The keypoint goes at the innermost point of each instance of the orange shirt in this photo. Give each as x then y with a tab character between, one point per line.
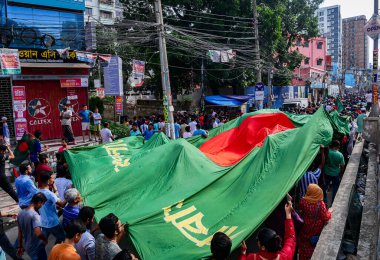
63	252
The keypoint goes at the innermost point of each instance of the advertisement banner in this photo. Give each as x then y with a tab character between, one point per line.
19	109
74	83
21	126
18	93
100	93
375	94
10	62
119	105
259	91
113	77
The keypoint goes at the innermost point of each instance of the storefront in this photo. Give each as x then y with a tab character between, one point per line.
49	85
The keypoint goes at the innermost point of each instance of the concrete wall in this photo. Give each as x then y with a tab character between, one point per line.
331	237
369	229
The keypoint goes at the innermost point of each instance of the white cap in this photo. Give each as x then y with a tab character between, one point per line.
4	118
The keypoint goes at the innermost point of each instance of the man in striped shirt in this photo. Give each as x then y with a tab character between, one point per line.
313	174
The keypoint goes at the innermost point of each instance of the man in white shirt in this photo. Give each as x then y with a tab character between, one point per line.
65	117
193	126
368	99
106	134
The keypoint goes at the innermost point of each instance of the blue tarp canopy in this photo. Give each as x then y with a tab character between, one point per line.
227	100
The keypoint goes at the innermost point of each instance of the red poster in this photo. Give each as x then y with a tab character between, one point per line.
21	126
18	93
119	105
74	83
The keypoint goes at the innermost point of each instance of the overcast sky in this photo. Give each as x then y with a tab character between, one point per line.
351	8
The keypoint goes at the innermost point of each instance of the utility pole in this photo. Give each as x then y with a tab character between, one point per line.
375	87
167	94
257	42
270	77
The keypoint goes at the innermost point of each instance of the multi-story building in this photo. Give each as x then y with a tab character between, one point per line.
330	26
47	34
313	67
355	43
103	11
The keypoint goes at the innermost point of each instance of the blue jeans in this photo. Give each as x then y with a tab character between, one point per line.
335	185
40	254
57	231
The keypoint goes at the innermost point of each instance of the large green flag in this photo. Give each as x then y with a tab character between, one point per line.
174	195
339	105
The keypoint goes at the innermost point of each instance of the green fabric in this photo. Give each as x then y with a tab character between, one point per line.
333	162
156	188
360	122
340	124
339	105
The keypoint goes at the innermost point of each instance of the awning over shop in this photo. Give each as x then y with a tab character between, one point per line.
228	100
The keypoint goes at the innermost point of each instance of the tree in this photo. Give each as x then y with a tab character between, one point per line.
195	26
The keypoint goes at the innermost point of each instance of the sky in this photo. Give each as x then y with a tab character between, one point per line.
349	8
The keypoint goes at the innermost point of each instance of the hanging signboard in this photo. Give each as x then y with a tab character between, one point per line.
100	93
113	77
19	108
74	83
259	91
10	62
119	105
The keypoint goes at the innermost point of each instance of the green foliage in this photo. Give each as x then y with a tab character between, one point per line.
281	23
118	130
96	102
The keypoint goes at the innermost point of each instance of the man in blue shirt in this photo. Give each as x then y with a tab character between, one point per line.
149	132
49	217
135	131
177	128
25	186
200	131
85	115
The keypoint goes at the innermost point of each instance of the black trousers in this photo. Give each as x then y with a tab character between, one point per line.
6	185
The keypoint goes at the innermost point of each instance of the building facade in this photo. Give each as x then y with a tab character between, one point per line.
105	12
39	30
313	68
355	43
330	27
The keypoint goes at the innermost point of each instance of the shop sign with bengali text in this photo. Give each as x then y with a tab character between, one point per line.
74	83
119	105
18	93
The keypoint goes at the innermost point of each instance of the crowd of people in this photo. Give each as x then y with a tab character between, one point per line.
51	206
